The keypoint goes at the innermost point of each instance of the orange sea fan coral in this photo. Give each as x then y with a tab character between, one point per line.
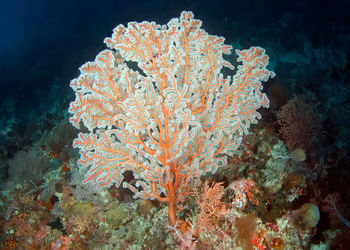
171	118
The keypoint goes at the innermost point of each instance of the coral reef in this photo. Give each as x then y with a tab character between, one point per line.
282	187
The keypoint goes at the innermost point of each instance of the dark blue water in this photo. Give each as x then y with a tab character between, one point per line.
43	42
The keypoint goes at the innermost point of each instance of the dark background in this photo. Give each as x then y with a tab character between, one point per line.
43	43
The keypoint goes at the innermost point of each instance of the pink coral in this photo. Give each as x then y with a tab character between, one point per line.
210	205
